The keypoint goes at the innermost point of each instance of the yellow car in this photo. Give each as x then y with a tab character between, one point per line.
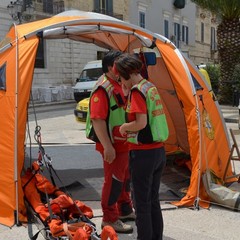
81	110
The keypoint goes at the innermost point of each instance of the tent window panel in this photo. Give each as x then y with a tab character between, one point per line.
196	84
39	61
3	77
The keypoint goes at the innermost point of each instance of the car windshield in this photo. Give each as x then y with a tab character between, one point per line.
88	75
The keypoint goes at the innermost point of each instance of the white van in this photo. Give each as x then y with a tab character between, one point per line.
87	79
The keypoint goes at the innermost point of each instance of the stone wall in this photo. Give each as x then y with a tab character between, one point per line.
65	60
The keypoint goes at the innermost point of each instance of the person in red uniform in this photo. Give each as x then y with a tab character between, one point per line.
145	129
106	109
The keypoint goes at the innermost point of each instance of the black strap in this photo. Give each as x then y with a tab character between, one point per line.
120	101
114	107
29	179
51	176
49	205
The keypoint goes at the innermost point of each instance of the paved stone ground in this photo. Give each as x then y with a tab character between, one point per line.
179	223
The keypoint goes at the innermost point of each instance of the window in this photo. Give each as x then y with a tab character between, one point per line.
142	8
103	6
213	39
185	34
166	29
3	77
101	54
39	61
177	33
142	19
202	32
48	6
58	7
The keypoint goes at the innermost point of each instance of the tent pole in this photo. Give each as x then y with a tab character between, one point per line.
197	199
196	202
16	132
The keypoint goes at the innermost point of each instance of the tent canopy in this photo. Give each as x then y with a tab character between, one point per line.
196	125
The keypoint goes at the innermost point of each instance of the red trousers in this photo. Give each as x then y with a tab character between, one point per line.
116	199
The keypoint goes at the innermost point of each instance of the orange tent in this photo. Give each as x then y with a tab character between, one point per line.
194	117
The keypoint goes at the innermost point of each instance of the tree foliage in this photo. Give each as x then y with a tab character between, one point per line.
226	9
228	40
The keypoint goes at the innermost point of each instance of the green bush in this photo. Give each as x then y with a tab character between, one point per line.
214	75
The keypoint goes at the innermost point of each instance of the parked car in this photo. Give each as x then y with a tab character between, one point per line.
81	110
87	79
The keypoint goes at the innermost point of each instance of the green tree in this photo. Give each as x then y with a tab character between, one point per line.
228	39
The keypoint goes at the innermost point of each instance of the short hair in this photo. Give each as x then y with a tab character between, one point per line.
127	64
108	59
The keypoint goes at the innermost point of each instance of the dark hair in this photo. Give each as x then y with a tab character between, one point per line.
127	64
108	59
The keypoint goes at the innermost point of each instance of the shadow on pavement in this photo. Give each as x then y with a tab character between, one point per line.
79	169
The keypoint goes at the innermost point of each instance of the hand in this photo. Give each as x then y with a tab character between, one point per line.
109	154
123	130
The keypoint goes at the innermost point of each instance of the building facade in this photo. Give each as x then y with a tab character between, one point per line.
59	62
190	28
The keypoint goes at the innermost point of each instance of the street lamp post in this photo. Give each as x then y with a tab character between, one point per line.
21	10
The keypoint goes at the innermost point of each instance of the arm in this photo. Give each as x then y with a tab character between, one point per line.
136	125
100	128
